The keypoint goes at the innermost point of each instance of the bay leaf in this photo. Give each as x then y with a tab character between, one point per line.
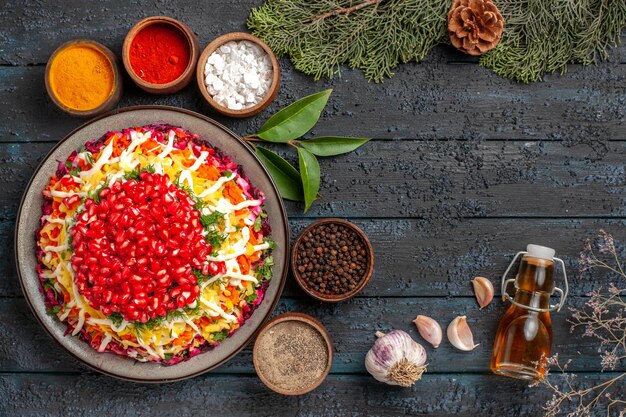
310	171
285	176
294	120
332	145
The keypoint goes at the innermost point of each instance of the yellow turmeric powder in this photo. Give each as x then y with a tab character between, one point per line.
81	77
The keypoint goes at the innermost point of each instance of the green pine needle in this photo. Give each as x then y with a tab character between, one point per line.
376	35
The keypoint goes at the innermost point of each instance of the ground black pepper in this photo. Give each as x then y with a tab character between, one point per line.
292	355
332	259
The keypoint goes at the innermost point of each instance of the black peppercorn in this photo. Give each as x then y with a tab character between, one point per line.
332	259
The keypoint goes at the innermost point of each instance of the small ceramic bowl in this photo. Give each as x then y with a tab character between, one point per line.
110	102
263	342
185	78
333	298
273	90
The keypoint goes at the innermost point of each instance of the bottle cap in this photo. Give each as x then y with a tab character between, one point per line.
542	252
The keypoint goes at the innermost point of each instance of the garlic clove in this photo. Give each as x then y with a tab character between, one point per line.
429	329
483	289
460	335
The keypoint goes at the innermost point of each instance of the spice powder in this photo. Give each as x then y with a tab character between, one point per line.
292	355
159	53
82	77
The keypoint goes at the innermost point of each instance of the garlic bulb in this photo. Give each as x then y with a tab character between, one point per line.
429	329
483	289
396	359
460	335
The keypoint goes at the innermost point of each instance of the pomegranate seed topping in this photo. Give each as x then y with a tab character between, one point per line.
134	250
176	292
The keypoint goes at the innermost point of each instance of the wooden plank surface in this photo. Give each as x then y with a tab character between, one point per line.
91	395
431	100
25	347
441	181
542	162
415	259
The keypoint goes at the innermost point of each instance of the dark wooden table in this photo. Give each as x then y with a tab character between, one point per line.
466	168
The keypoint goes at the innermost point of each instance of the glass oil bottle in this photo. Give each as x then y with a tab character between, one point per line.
524	337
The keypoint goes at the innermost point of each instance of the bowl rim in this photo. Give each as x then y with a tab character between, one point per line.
113	98
16	253
216	43
338	297
304	318
192	42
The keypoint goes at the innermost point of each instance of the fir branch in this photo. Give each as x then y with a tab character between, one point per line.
345	10
539	36
375	39
544	37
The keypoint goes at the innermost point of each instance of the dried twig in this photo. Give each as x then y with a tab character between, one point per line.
604	318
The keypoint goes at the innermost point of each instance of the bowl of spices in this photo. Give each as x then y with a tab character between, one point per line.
83	78
238	74
160	54
332	260
293	354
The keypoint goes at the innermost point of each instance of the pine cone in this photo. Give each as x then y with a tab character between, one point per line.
475	26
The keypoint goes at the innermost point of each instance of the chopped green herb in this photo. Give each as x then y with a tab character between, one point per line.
213	219
168	356
210	223
227	174
200	204
194	311
187	190
116	318
270	242
132	175
264	272
149	325
95	193
174	314
258	223
250	298
215	238
68	164
48	284
220	336
89	157
53	311
200	276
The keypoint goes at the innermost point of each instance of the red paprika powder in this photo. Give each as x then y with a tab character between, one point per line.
159	53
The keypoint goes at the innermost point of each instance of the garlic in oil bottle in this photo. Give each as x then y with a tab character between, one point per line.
396	359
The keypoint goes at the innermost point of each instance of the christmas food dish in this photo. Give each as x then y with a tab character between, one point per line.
152	244
222	335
